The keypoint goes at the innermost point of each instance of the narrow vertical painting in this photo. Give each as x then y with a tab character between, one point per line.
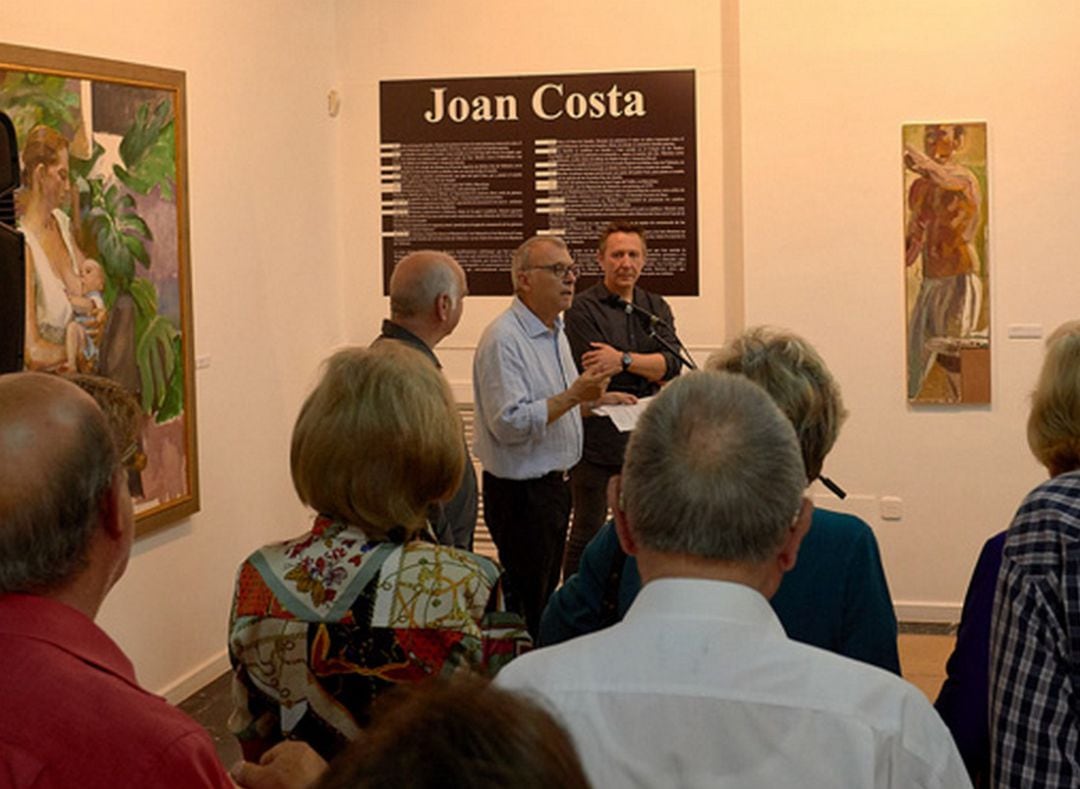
945	259
102	209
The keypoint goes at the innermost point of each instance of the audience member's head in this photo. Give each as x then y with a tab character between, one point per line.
712	471
122	413
58	480
796	378
427	291
1054	423
378	440
462	733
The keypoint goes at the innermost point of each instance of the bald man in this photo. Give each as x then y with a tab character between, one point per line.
427	297
74	714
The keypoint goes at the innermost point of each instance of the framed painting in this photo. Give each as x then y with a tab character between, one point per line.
103	209
946	264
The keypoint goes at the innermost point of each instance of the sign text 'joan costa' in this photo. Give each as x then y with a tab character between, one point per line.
473	166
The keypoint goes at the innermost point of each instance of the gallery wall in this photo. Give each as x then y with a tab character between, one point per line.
799	114
800	108
826	88
430	38
266	288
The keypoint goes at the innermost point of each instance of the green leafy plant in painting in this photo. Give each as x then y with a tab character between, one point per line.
111	228
38	99
147	151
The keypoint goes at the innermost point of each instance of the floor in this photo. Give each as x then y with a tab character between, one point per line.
923	652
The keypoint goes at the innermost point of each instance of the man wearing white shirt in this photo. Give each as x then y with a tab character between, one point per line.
528	420
699	685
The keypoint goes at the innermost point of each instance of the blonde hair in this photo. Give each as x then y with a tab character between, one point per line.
378	440
1053	429
796	378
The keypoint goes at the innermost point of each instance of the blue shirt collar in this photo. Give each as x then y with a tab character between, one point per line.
533	326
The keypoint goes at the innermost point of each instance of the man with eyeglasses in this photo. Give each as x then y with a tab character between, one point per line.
603	333
529	398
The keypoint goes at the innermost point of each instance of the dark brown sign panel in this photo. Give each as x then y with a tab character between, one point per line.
475	166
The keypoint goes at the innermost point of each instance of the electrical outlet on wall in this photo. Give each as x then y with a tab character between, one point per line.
891	507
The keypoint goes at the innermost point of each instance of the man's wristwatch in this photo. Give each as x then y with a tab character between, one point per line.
627	360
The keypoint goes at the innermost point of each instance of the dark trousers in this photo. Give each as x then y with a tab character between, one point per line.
588	486
527	520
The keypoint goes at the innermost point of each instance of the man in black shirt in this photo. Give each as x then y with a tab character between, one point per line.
427	297
603	333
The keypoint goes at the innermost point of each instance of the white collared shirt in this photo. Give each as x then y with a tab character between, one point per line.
519	364
699	687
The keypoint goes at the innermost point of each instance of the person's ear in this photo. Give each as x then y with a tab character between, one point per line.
622	522
110	512
444	306
800	526
523	283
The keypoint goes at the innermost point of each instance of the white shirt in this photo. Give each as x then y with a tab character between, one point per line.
519	364
699	687
53	307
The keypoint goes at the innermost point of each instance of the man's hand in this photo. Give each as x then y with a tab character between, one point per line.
608	398
288	765
602	358
616	398
590	385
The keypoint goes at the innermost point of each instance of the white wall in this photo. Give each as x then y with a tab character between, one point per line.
285	246
801	208
266	287
826	87
424	38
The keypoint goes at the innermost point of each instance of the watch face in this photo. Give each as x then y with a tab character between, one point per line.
626	360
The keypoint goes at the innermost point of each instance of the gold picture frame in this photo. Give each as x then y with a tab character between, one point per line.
121	205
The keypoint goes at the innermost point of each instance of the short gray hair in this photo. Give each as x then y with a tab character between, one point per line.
47	521
796	378
713	470
520	260
416	294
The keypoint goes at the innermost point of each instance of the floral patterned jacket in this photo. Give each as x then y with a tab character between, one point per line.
322	624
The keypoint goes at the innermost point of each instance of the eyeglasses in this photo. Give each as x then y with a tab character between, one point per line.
560	270
133	458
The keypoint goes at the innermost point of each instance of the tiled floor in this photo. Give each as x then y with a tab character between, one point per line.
211	707
922	659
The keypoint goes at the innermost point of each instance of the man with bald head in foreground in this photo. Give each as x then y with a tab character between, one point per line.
699	686
74	714
427	297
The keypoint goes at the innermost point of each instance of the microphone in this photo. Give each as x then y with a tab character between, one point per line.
615	300
653	321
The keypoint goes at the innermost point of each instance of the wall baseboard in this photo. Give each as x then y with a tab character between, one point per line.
946	613
196	679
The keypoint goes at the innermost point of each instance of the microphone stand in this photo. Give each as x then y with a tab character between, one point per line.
652	322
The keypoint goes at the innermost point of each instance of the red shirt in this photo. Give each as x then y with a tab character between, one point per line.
73	714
